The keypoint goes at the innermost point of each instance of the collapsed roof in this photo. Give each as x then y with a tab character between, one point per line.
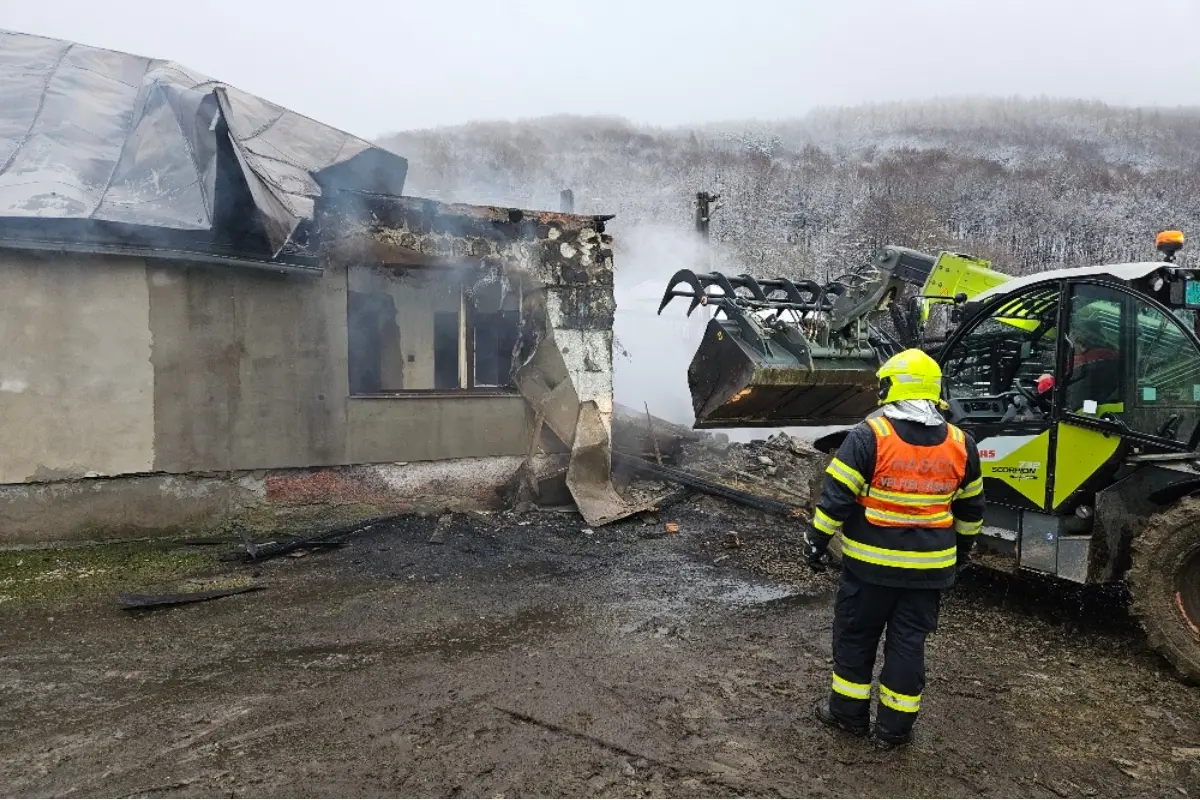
108	147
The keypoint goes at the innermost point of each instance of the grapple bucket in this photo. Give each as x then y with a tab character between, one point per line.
779	353
735	385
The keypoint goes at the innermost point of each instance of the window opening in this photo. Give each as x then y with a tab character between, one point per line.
429	329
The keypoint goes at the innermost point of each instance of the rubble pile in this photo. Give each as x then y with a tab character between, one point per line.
657	464
638	434
650	492
780	467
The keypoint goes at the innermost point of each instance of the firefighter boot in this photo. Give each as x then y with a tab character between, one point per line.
822	713
888	741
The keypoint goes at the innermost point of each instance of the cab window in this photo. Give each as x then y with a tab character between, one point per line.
993	371
1166	397
1145	375
1093	380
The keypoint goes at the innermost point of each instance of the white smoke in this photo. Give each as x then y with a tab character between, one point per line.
652	369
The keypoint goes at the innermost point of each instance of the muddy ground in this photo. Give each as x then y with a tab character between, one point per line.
528	656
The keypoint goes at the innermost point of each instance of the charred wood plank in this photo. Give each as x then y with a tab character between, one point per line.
323	540
132	602
699	484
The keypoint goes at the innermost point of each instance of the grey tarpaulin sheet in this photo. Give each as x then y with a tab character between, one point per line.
92	134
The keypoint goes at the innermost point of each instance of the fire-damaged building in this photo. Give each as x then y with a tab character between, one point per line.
218	312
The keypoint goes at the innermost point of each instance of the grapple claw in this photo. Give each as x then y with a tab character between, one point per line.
782	352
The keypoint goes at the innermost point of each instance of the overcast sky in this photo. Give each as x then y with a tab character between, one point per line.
374	67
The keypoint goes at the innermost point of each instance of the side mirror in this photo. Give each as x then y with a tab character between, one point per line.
830	442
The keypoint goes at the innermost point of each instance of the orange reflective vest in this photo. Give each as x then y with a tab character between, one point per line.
913	486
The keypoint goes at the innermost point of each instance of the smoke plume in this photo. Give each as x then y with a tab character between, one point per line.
652	369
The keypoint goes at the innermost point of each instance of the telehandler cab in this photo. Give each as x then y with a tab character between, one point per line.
1081	388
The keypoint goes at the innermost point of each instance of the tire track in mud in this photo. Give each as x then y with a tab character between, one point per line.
654	671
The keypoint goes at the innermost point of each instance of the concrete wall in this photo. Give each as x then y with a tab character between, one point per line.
119	366
113	366
426	429
250	373
76	380
263	503
249	368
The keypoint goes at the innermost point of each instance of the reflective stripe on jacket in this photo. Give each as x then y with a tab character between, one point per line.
906	553
912	485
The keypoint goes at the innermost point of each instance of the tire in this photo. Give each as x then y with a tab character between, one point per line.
1164	581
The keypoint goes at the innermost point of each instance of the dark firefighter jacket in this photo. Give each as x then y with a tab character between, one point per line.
928	554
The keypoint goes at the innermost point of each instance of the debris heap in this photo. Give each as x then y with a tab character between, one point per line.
654	459
780	467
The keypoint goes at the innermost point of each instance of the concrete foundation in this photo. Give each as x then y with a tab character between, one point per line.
259	502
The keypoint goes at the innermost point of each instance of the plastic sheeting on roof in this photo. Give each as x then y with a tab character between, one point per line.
87	133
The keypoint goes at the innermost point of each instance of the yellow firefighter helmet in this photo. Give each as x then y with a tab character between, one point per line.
910	375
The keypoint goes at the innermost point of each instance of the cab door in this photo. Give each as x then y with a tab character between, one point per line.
1092	387
991	373
1130	375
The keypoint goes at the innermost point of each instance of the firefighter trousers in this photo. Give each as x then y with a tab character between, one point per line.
862	613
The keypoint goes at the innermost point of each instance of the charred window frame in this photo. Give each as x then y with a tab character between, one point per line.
417	331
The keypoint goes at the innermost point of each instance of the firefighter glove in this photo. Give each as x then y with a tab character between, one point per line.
816	551
964	561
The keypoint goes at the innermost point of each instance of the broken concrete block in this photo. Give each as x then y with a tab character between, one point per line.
778	442
802	448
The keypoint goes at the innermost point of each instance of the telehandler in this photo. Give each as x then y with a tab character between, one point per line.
1080	386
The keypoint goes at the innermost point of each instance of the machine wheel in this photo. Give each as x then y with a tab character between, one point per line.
1164	581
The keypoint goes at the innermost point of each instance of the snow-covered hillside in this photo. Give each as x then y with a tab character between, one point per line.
1029	184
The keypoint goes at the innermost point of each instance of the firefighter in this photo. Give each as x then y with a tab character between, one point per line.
905	490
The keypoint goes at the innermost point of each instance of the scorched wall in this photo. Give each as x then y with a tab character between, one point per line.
206	391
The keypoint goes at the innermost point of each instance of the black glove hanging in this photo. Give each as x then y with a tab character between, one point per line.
964	561
816	551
